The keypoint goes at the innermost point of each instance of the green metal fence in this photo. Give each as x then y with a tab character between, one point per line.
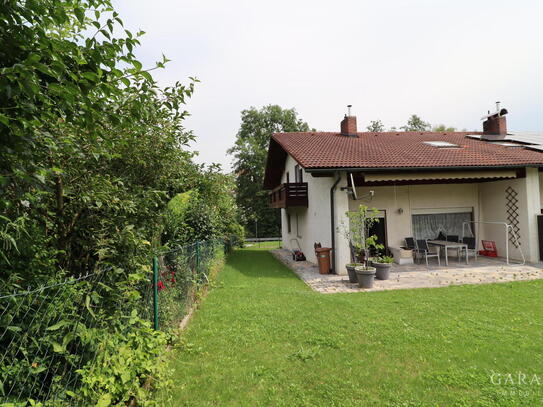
43	341
180	272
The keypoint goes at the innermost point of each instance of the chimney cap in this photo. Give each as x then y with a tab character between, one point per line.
501	112
349	110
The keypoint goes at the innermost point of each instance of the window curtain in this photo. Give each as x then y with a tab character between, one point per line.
429	226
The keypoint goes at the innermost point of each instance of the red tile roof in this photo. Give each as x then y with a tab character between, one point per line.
396	150
390	150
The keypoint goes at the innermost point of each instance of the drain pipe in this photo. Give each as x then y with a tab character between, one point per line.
332	223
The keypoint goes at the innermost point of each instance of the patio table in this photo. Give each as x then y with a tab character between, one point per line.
450	245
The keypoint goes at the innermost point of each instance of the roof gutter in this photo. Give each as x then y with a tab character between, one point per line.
386	169
332	222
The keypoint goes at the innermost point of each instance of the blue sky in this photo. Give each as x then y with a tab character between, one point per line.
447	61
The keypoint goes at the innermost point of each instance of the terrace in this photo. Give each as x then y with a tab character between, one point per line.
483	270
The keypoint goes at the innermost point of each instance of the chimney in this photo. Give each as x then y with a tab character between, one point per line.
495	124
348	124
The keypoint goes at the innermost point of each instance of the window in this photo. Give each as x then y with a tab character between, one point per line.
298	234
441	144
288	223
429	225
288	177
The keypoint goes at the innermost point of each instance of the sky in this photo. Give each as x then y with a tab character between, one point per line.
447	61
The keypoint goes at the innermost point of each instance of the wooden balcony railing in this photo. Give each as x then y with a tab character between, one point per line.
289	194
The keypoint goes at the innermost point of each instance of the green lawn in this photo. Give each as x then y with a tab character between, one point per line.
262	337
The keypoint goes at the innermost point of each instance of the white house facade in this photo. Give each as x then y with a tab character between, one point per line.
478	184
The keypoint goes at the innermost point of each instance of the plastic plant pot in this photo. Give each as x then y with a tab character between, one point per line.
350	271
366	276
382	270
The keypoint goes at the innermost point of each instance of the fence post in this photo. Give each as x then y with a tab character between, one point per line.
155	292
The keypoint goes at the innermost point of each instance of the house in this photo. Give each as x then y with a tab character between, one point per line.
422	183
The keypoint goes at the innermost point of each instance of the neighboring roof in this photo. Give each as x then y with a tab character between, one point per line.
318	150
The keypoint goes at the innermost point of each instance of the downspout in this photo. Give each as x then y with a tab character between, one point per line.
332	222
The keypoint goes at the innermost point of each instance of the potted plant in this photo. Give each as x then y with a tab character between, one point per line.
358	233
351	272
382	267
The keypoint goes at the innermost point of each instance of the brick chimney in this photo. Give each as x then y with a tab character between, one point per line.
495	125
348	124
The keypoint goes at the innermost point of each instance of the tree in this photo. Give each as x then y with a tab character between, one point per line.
250	152
415	123
376	126
358	231
91	152
442	127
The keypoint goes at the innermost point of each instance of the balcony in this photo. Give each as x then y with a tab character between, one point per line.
288	195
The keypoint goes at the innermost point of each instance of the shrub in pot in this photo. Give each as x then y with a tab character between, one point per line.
382	267
358	233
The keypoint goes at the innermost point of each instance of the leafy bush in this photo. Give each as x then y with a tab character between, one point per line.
205	212
127	365
91	152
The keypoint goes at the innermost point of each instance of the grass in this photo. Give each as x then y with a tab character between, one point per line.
270	244
263	338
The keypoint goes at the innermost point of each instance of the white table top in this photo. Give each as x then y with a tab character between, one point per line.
446	243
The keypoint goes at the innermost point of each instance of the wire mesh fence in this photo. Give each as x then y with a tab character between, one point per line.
181	272
264	242
48	335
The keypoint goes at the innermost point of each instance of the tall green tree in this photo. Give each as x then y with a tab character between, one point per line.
415	123
250	152
376	126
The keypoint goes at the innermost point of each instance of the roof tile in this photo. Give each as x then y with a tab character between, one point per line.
399	150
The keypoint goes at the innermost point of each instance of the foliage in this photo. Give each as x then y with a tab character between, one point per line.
423	347
357	231
205	212
250	152
442	127
385	259
63	345
91	152
376	126
415	123
126	364
91	147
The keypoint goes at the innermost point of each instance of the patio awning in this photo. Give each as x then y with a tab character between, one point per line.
439	175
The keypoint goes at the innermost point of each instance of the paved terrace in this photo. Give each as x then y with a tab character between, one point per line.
483	271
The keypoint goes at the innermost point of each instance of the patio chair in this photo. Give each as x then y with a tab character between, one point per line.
424	250
411	245
472	247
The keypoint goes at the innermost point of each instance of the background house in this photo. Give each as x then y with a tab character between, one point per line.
421	183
